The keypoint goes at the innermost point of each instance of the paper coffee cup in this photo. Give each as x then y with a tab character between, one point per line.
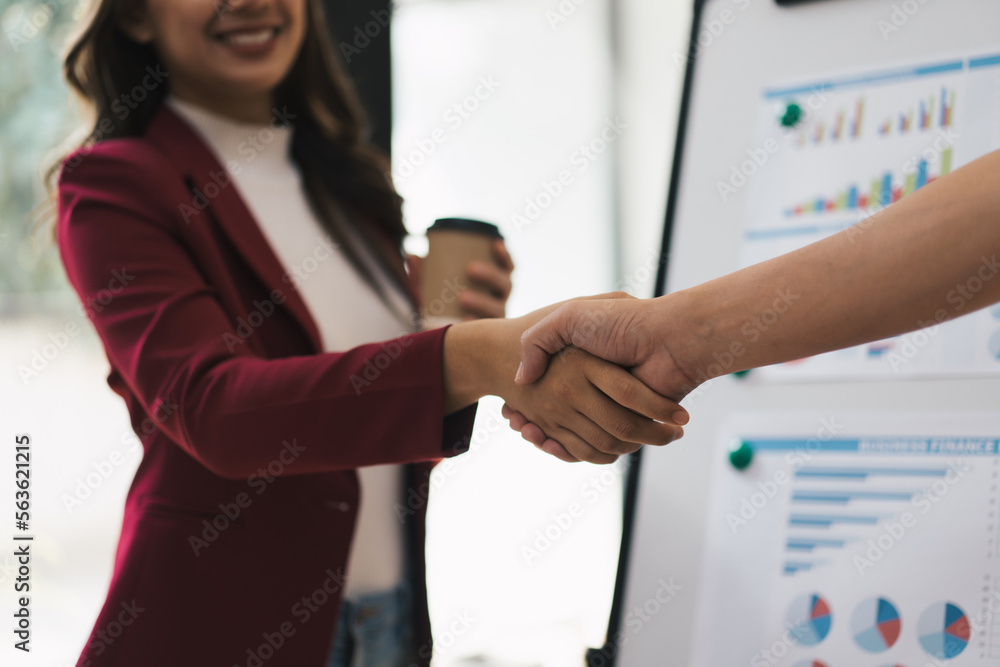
453	243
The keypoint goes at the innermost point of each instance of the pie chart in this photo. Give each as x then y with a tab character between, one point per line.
809	620
944	630
875	625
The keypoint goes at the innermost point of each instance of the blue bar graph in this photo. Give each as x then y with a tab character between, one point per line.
793	567
922	174
988	61
886	190
865	473
801	444
824	521
844	497
810	543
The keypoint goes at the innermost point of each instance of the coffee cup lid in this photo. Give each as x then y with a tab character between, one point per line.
466	225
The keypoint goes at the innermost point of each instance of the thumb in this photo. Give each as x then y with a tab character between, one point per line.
541	341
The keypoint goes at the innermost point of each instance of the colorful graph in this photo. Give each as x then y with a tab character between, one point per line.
930	112
882	191
905	122
944	631
922	118
947	108
839	129
875	625
809	620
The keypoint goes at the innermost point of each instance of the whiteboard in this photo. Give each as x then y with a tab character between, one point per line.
761	567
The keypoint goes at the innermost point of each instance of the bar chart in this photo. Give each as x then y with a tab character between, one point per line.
883	190
930	112
844	125
833	507
834	531
868	140
934	110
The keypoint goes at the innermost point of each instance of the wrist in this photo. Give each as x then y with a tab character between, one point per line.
480	359
686	326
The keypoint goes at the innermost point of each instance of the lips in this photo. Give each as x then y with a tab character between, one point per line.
248	36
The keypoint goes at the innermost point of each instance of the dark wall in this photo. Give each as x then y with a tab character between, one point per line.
360	30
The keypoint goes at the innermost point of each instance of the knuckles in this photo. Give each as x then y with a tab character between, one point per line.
564	389
626	390
624	430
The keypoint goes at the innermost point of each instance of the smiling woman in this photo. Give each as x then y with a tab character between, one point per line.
248	162
224	60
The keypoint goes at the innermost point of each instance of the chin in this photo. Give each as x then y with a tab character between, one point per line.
250	85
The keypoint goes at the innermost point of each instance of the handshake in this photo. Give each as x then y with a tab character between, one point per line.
600	337
594	379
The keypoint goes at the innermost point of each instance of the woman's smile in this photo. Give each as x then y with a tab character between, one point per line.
252	40
229	59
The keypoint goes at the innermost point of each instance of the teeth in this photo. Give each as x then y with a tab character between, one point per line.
249	38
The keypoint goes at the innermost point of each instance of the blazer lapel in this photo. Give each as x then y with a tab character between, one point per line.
176	139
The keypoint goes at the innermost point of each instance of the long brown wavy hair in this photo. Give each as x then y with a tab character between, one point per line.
344	175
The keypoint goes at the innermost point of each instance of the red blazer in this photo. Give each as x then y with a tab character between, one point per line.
239	521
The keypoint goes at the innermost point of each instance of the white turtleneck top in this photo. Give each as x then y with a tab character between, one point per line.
347	311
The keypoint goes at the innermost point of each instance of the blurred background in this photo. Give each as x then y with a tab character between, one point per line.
521	91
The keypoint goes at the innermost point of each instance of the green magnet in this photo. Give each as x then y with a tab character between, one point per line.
742	374
740	455
792	116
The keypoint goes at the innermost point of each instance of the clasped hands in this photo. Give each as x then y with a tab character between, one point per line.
592	380
578	352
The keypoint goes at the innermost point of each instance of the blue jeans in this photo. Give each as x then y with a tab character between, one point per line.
375	630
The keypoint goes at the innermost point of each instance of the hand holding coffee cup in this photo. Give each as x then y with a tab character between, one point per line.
451	289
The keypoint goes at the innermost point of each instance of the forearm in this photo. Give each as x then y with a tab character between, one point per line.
480	358
905	268
230	395
466	346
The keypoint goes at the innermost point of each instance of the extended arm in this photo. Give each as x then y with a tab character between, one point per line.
177	353
926	259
